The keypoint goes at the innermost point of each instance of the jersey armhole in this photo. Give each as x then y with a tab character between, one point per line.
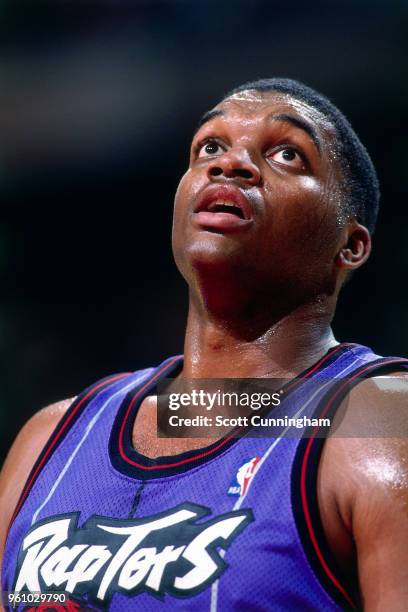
304	488
59	433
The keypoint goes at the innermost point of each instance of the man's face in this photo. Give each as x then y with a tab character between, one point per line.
261	195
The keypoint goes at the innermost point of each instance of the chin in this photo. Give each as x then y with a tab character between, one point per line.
212	248
209	251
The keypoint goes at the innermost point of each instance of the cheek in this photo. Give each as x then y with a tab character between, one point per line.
297	203
316	204
294	189
191	182
182	190
185	190
302	218
180	206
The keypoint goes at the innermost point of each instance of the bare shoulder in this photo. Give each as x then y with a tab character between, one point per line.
22	455
363	481
372	424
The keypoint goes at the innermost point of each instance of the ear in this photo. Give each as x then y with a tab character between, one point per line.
356	249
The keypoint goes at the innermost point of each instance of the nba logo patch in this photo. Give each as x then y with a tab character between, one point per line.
244	474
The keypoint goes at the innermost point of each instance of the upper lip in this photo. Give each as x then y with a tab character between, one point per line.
227	193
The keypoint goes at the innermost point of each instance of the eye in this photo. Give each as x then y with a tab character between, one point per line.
288	156
211	147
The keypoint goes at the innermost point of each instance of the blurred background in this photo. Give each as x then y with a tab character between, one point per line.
98	102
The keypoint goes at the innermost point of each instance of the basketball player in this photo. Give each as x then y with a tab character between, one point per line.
273	214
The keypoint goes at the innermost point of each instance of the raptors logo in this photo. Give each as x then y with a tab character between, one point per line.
166	553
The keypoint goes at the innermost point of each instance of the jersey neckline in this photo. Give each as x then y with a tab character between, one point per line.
126	459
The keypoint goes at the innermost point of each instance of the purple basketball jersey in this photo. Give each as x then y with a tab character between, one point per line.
233	526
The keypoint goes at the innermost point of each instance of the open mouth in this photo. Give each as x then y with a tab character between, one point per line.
225	206
222	209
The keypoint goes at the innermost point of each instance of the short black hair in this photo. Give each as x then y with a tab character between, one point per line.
360	178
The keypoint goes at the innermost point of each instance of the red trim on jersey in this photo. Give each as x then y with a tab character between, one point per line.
303	479
224	440
323	359
53	440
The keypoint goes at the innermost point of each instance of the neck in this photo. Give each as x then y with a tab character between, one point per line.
256	344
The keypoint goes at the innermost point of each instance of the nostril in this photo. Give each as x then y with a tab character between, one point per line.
247	174
216	171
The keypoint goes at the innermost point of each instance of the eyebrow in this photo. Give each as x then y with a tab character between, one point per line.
301	124
298	122
208	116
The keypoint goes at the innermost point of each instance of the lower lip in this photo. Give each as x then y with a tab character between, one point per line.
222	221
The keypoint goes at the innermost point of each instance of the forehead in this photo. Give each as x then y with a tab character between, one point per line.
252	106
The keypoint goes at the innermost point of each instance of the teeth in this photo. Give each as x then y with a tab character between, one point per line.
222	203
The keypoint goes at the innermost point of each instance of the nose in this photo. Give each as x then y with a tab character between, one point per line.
235	163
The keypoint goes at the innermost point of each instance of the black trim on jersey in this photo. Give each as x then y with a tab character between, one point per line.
315	445
148	468
192	458
136	500
61	430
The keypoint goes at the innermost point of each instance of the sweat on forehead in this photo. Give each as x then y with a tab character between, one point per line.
252	102
360	183
256	101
